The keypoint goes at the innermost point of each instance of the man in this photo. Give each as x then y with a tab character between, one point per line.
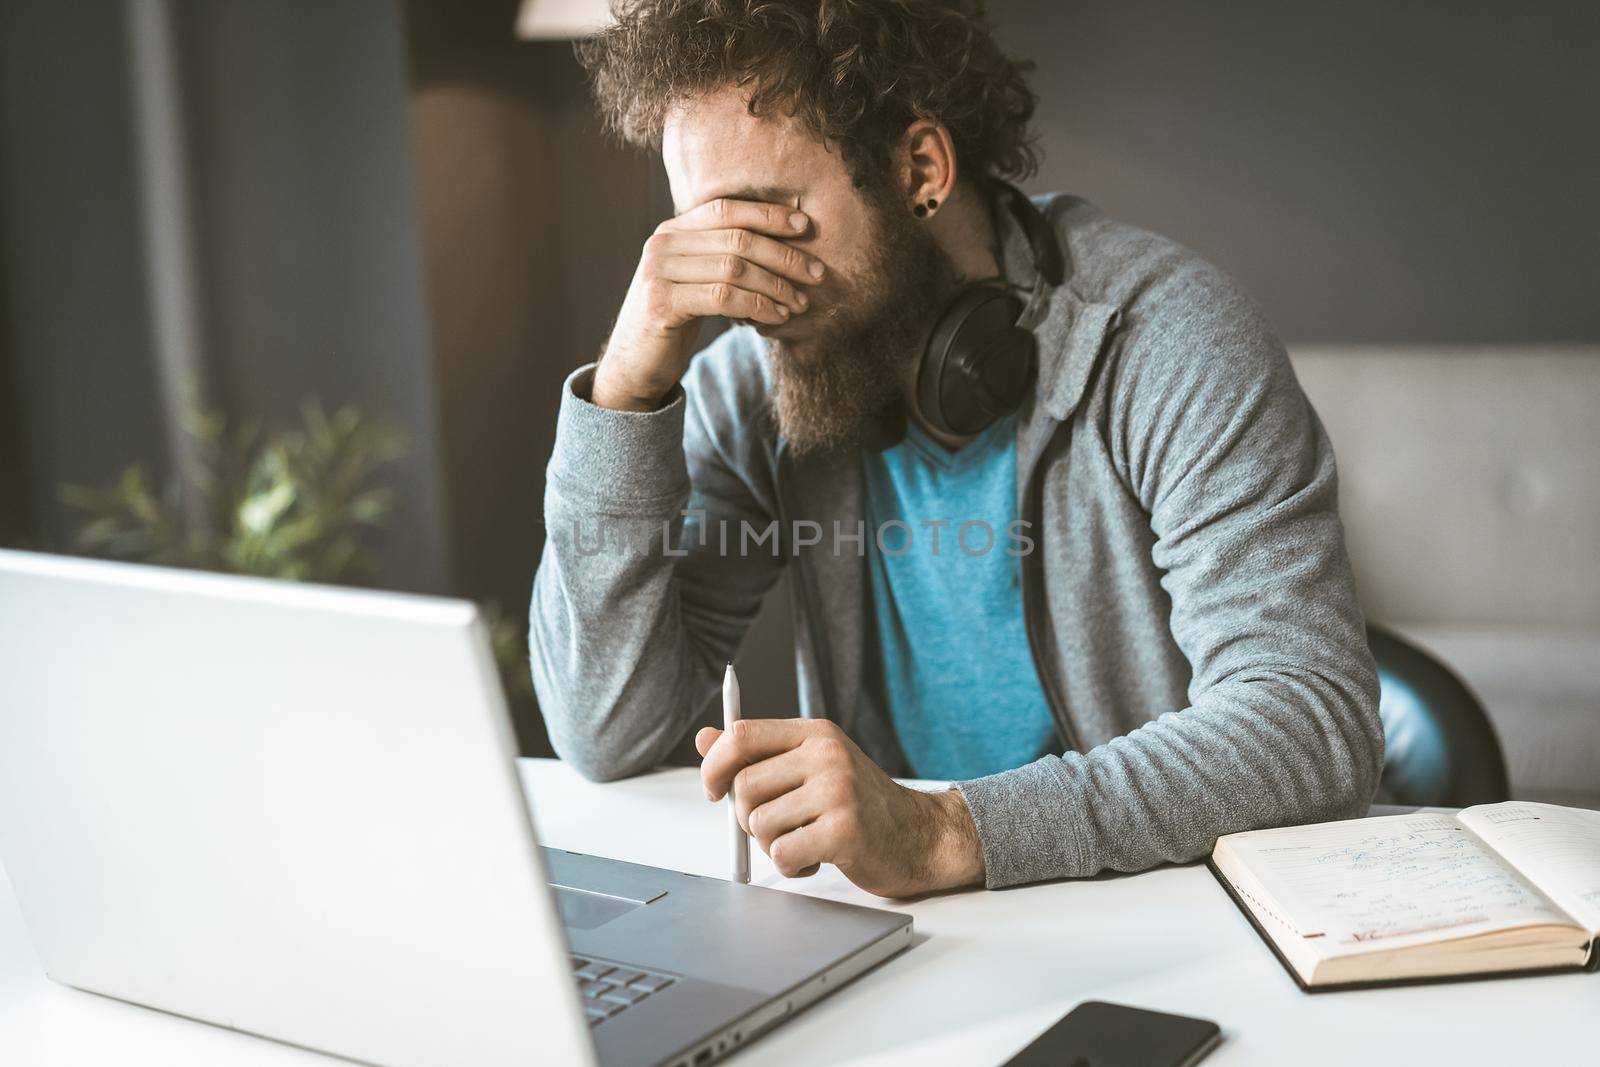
1163	644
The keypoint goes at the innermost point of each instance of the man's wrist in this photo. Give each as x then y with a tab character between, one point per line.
606	392
958	854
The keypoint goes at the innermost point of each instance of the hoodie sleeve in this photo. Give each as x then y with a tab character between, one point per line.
635	610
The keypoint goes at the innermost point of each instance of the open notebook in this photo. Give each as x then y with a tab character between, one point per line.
1492	889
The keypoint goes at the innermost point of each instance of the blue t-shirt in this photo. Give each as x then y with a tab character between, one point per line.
955	675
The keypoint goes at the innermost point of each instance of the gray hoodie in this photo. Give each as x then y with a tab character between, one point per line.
1189	604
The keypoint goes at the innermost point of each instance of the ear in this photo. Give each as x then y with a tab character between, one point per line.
928	165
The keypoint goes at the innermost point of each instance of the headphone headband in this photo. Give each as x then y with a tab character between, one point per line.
1042	242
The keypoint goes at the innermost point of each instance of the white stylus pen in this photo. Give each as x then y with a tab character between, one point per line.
741	841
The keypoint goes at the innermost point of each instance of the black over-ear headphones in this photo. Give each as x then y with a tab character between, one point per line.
979	364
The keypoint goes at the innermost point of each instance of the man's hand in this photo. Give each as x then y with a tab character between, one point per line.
724	257
809	796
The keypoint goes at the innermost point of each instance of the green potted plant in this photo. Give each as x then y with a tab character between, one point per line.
305	503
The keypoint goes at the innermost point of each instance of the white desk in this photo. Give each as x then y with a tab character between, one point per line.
988	972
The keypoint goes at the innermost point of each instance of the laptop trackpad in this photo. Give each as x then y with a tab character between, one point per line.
612	878
585	911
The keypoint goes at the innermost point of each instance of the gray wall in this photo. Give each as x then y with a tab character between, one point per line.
74	271
1370	170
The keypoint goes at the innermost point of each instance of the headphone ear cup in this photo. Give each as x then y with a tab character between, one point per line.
978	363
1006	371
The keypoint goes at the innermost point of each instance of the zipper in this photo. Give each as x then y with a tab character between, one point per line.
1033	563
1032	619
806	584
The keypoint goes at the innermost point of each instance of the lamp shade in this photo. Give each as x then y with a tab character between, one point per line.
558	20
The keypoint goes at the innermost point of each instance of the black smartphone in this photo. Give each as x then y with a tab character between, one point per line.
1097	1034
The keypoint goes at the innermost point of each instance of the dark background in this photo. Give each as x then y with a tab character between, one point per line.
402	205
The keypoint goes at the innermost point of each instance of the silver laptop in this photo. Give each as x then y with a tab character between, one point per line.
295	811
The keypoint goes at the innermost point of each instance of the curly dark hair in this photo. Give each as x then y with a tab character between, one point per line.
857	72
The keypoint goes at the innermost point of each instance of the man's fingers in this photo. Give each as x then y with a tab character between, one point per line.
704	738
801	852
724	212
783	797
751	741
762	782
727	267
783	813
779	257
727	300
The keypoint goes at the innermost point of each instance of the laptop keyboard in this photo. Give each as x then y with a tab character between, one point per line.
608	988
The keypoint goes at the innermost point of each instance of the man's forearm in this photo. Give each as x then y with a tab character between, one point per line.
1248	754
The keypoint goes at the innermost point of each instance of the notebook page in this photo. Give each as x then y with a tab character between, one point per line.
1557	848
1388	882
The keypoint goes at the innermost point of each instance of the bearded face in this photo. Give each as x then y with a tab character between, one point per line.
848	361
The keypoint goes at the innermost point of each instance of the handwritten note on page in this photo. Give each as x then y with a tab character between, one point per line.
1392	881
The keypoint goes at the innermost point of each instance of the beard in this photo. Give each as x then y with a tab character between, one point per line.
849	376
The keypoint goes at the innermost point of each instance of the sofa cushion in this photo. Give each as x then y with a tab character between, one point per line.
1469	478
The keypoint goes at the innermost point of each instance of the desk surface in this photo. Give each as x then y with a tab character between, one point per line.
987	973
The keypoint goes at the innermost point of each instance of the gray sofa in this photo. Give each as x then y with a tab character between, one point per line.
1470	491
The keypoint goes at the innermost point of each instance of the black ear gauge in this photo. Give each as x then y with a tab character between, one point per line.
920	211
932	203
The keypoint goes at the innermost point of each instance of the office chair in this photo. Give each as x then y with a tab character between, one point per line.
1439	747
